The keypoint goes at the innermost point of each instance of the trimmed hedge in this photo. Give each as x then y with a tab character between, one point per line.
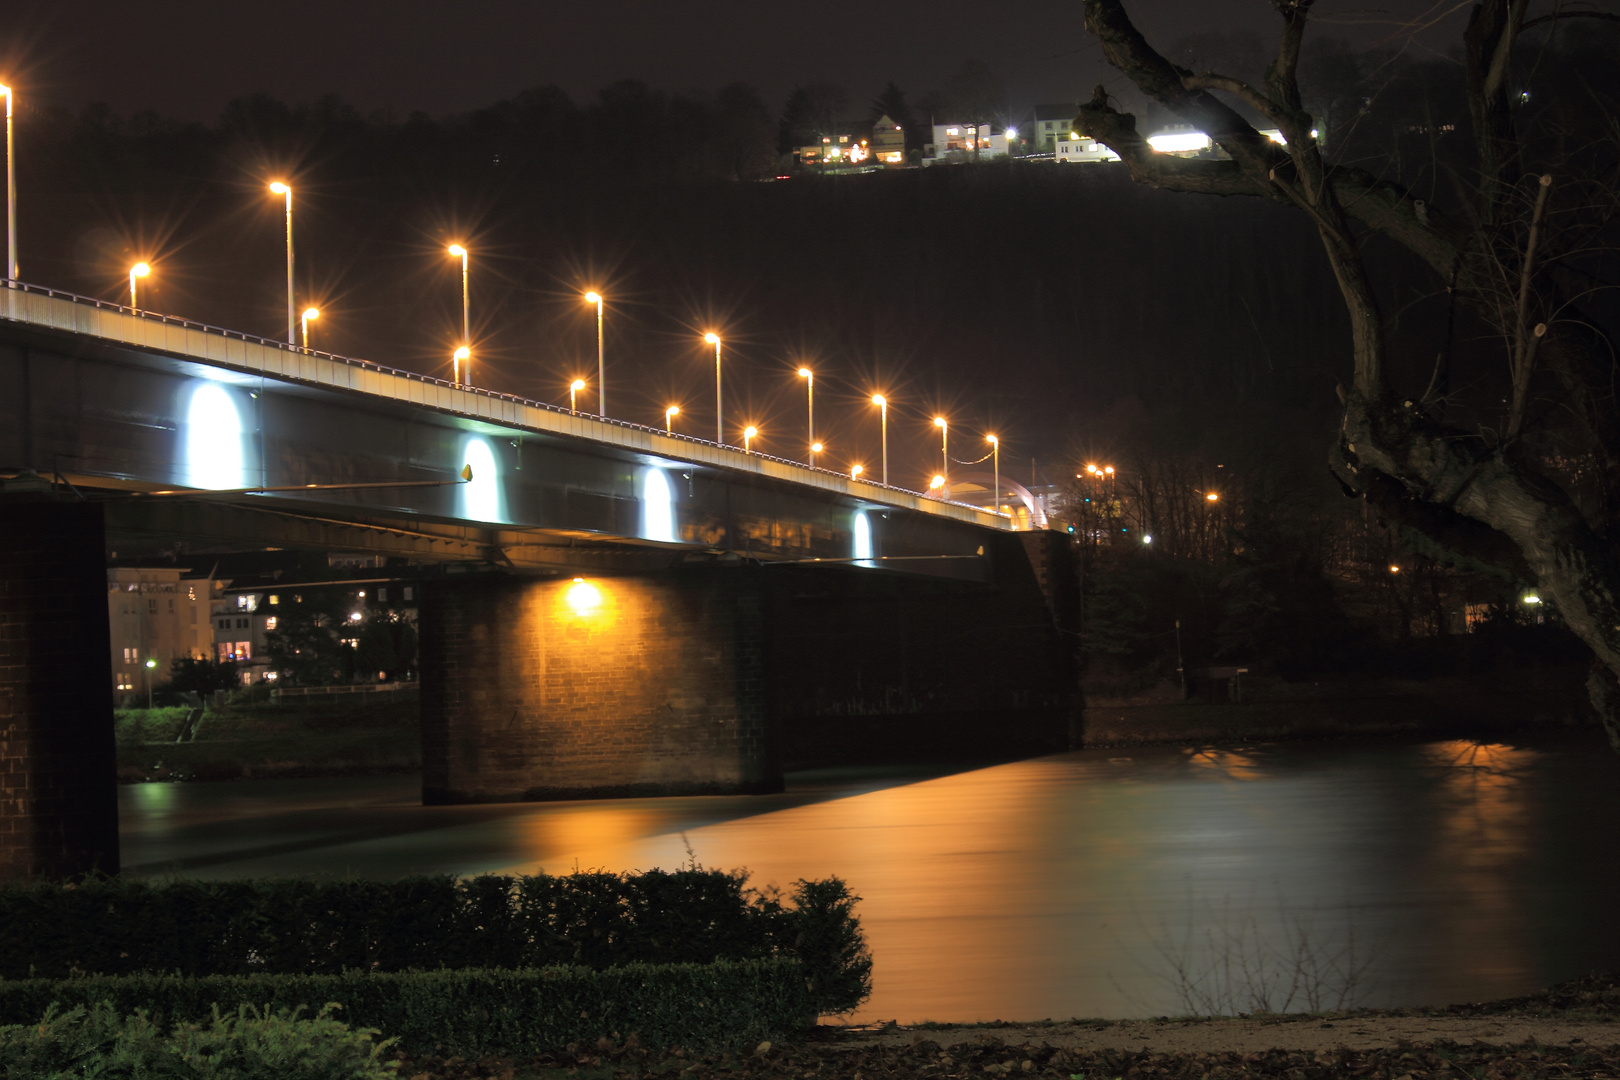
723	1005
109	926
249	1045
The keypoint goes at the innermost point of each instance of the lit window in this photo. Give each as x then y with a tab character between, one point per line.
274	599
270	623
243	650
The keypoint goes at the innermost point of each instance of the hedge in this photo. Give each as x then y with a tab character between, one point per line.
109	926
247	1045
502	1011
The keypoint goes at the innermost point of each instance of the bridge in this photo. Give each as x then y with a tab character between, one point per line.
609	609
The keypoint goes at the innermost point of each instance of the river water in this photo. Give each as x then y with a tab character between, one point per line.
1093	883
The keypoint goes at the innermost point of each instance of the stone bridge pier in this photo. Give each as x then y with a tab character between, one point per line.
58	777
714	675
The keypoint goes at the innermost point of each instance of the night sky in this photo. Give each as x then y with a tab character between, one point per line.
186	58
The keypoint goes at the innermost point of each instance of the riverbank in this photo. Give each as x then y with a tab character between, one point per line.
1257	709
336	735
1568	1030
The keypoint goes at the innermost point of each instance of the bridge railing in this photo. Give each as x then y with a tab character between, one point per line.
495	395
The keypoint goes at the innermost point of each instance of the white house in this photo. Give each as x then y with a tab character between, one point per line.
955	144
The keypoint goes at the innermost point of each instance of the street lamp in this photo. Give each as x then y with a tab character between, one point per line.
463	353
810	397
719	425
815	448
310	314
937	484
883	403
944	447
669	419
280	188
601	373
1213	497
466	322
139	270
855	472
995	454
11	189
574	388
748	437
150	664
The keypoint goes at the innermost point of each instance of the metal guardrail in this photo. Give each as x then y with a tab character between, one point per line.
700	451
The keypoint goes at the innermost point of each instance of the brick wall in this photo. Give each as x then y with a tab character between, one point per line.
708	679
537	689
58	792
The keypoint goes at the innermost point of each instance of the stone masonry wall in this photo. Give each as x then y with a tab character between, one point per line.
58	790
536	689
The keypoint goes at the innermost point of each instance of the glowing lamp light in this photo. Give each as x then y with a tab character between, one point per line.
937	482
1074	136
939	421
151	663
140	270
457	250
879	399
804	373
279	188
1179	142
1092	469
462	353
1012	133
1531	598
593	298
312	313
355	616
815	448
1394	569
577	385
1147	539
1109	470
748	436
712	338
855	471
583	597
1213	497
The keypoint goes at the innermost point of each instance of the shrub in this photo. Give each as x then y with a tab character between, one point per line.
724	1005
110	926
250	1044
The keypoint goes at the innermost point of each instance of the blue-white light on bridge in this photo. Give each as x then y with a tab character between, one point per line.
657	507
863	538
481	497
213	453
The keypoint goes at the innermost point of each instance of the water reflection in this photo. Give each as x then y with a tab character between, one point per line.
1099	884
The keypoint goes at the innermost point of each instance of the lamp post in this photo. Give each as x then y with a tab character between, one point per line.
995	454
139	270
669	419
855	472
944	451
815	448
601	373
810	397
149	665
463	353
280	188
883	403
748	437
574	388
310	314
11	188
466	322
719	424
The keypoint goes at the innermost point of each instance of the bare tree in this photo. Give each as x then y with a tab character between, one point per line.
1493	494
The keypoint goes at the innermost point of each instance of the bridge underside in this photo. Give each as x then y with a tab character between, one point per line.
728	622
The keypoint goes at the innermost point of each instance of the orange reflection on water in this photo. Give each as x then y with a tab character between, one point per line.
1485	825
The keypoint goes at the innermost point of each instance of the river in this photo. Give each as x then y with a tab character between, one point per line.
1087	884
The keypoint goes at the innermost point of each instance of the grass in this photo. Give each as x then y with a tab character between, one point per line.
339	737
